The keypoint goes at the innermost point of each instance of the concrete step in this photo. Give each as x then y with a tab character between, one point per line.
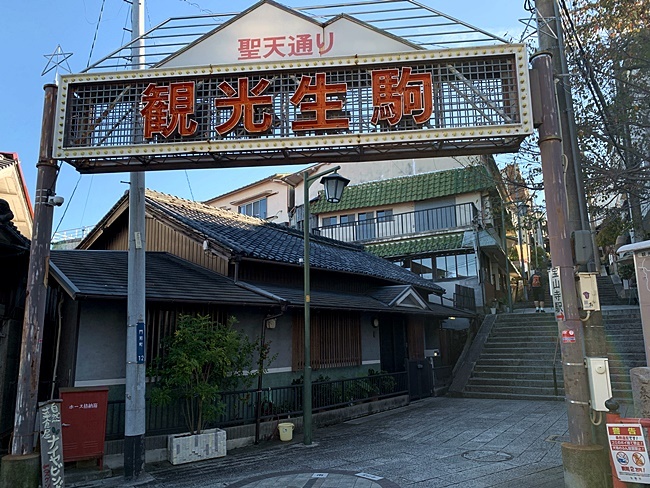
523	392
531	363
546	375
523	381
511	396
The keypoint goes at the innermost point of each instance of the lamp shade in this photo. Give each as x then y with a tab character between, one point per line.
334	184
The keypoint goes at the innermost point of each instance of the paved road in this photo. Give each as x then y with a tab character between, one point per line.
433	443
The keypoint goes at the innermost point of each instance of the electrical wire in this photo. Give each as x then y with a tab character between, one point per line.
65	210
99	20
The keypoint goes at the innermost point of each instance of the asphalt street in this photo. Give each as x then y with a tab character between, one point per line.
432	443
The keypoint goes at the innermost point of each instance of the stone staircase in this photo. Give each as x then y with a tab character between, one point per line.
607	293
518	357
625	348
517	360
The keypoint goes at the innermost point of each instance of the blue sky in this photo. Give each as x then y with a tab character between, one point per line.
33	29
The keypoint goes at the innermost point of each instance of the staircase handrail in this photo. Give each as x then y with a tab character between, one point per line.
557	346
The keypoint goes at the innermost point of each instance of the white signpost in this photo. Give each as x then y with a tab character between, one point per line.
556	293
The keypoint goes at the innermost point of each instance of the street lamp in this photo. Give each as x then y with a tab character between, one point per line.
334	184
522	210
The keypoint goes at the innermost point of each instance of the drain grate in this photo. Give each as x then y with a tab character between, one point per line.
487	456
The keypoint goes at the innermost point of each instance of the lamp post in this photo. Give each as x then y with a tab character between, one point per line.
334	184
522	208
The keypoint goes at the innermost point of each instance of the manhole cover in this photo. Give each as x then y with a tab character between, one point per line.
487	456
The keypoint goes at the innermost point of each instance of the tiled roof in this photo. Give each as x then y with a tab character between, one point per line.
103	274
249	237
378	299
420	245
412	188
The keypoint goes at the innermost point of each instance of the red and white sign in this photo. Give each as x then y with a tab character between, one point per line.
629	453
270	32
568	336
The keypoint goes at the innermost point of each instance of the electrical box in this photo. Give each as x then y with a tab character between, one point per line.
588	291
582	247
600	386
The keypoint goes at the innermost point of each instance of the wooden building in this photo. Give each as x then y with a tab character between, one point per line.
366	312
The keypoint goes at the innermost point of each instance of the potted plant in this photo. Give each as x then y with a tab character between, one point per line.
200	360
494	305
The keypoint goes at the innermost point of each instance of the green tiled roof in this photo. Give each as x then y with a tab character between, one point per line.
409	189
420	245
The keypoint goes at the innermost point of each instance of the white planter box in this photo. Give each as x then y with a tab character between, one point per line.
186	448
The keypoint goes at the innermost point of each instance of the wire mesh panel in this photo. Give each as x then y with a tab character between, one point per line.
415	104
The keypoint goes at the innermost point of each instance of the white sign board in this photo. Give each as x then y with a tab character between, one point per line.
629	453
51	444
556	293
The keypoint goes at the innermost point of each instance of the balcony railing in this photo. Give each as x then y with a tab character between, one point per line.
403	224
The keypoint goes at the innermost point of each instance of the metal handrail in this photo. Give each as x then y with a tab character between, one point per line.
557	346
402	224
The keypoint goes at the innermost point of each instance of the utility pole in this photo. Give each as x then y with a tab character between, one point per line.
39	256
21	467
551	38
582	458
135	420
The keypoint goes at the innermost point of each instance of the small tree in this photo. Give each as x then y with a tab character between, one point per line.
202	359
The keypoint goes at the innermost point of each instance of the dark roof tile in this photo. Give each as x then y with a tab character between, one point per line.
249	237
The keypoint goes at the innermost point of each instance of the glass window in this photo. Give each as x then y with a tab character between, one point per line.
347	219
385	215
254	209
366	227
327	221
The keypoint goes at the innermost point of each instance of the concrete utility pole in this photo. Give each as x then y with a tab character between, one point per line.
134	421
582	459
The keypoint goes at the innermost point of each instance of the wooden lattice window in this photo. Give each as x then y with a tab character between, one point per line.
335	340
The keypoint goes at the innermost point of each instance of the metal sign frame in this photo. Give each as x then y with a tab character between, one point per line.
480	105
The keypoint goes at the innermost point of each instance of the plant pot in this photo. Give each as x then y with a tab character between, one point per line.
186	448
493	310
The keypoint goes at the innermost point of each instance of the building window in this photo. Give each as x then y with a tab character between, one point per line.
366	226
254	209
329	221
385	215
347	219
335	341
441	267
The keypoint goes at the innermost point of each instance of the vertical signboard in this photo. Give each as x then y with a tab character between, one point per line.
556	292
629	452
51	444
140	344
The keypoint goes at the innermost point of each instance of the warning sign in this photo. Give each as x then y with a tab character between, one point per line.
568	336
628	448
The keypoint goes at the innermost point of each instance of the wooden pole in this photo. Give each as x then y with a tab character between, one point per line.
39	255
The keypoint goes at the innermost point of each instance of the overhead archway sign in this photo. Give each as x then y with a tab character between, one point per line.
276	102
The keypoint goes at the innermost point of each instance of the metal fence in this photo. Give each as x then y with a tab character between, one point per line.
275	403
420	221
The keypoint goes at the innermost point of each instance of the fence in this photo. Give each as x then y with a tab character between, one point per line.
275	403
